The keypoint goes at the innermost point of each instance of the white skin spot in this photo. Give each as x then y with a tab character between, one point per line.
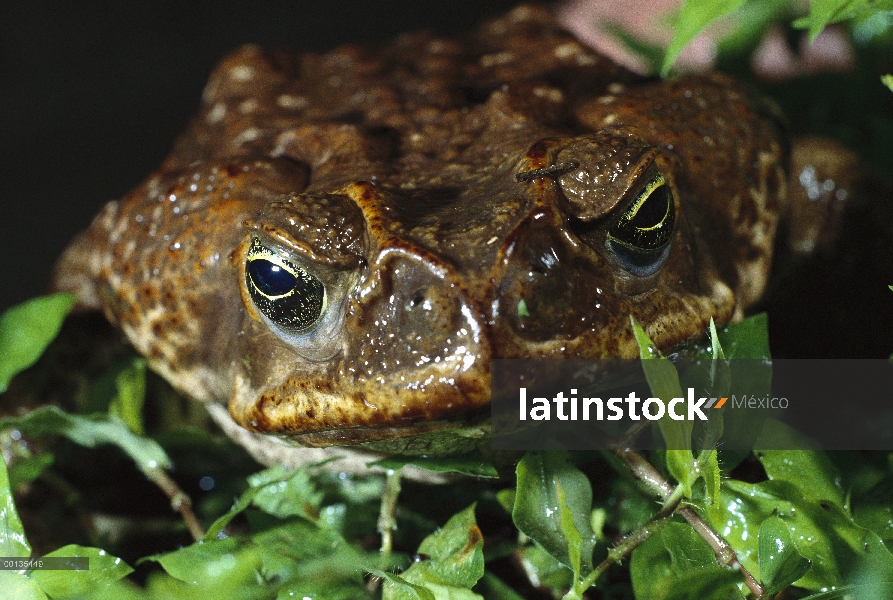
216	113
249	135
500	58
551	94
248	106
292	102
567	50
437	47
520	14
241	73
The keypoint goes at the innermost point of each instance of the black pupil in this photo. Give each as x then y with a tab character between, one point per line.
270	278
653	210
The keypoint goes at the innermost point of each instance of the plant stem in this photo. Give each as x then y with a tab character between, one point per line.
645	472
635	539
387	520
180	502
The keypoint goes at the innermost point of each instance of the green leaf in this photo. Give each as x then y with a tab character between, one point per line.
708	467
455	555
849	592
20	587
465	440
26	330
874	509
440	592
707	463
570	531
13	542
821	14
297	556
397	588
746	28
715	344
678	565
686	548
746	339
26	470
632	508
104	570
694	16
704	585
215	563
664	383
319	589
887	80
537	511
543	569
495	589
651	569
91	431
825	12
473	465
130	395
240	505
300	554
823	531
781	564
651	54
285	492
872	583
453	563
808	470
506	499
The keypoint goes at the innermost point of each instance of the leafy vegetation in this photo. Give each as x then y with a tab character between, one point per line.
747	20
678	524
804	523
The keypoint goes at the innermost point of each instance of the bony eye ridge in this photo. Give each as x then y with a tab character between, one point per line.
642	235
291	297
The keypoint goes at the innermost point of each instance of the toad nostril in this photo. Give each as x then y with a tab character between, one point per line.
427	312
417	298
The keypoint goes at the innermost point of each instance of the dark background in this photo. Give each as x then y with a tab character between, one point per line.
93	94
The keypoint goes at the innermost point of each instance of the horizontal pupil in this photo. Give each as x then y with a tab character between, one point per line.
653	210
270	278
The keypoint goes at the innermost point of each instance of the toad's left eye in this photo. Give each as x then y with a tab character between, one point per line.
288	295
640	239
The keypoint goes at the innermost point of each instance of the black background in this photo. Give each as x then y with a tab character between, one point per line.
93	94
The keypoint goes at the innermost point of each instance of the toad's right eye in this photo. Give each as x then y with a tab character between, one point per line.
640	238
290	296
270	279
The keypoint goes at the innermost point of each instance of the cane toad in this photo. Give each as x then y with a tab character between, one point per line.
339	244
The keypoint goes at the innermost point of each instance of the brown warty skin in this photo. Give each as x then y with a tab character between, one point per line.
439	203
